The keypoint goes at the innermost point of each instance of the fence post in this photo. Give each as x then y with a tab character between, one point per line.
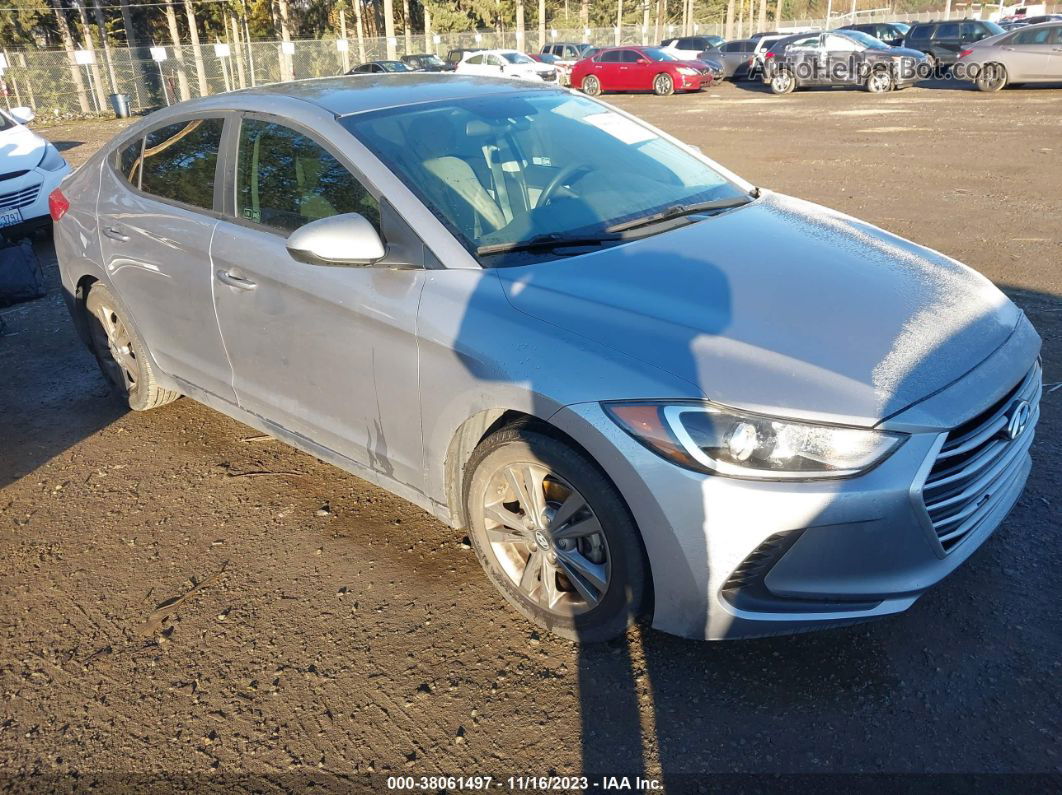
237	47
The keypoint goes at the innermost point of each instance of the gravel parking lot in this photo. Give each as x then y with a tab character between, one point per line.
325	629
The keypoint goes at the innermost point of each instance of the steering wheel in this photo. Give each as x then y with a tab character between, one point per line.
561	177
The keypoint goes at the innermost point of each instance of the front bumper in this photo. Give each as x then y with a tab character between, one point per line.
28	195
743	558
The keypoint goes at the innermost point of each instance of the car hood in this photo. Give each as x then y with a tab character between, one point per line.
21	149
779	306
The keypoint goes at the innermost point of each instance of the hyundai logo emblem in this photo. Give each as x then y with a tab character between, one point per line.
1017	419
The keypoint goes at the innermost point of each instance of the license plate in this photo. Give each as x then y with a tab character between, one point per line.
10	217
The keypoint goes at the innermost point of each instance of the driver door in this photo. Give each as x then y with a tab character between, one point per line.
327	353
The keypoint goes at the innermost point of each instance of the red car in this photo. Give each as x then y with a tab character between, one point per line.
638	69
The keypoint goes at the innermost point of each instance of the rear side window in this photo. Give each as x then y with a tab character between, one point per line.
180	159
919	33
128	162
1033	36
948	31
285	180
630	56
611	56
736	46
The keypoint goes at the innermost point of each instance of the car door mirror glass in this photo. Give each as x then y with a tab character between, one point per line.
347	239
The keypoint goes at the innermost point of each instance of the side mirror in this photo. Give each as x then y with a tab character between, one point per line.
23	115
347	239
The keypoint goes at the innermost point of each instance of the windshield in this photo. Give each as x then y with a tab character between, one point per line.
656	54
517	57
902	27
993	28
503	170
865	39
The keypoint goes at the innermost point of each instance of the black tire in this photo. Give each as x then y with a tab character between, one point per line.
591	86
121	353
618	542
879	81
663	85
783	82
993	77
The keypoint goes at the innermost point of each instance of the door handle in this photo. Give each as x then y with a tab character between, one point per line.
115	234
232	280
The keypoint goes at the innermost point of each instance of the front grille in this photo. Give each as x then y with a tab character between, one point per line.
978	464
13	174
19	199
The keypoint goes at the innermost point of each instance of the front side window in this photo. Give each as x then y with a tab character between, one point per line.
630	56
475	59
285	180
180	159
503	170
920	33
656	54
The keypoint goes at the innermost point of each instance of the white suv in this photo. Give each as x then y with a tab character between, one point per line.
30	169
506	63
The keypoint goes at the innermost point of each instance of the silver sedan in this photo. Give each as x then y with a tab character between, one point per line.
1030	54
638	383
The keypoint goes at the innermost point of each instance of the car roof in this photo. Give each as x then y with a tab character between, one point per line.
344	95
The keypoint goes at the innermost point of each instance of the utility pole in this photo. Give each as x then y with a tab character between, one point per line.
250	49
389	27
619	21
63	24
693	27
728	27
541	24
197	50
645	22
763	15
127	20
429	44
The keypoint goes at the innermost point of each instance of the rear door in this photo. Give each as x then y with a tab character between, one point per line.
156	212
947	41
606	70
326	352
1028	53
1054	58
633	74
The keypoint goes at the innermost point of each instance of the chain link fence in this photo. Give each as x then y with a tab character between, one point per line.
55	85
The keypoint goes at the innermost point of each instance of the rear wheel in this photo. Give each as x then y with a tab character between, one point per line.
121	354
992	78
591	86
663	85
554	535
783	82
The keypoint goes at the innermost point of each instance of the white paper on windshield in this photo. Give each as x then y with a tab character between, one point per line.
620	127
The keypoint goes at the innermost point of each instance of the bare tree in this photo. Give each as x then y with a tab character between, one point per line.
127	21
98	13
407	26
178	54
645	21
584	13
619	20
520	24
389	27
763	16
287	71
197	50
94	67
541	23
344	55
361	30
63	24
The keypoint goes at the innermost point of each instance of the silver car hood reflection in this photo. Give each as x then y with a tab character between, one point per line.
779	306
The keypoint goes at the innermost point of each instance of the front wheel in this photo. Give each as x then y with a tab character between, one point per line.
783	82
663	85
879	82
591	86
992	78
554	535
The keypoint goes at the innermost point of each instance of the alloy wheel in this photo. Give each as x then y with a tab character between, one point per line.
113	336
663	85
546	539
591	86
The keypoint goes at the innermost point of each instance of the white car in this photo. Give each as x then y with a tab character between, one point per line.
506	63
689	48
30	169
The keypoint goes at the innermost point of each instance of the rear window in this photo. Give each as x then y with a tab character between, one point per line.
180	160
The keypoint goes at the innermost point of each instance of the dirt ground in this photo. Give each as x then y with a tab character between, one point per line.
329	630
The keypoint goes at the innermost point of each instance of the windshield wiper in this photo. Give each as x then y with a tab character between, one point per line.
547	241
676	210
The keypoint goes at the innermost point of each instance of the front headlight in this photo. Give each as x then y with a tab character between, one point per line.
685	70
710	438
52	160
